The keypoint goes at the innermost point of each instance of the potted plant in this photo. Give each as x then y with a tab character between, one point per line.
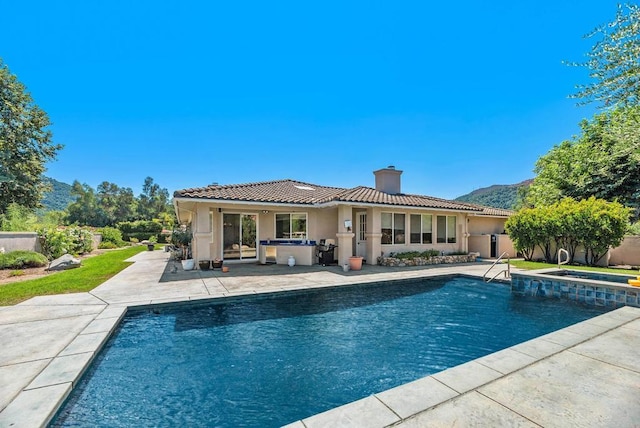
355	263
181	238
151	243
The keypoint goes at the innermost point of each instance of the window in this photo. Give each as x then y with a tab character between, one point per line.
291	226
387	228
451	229
393	228
446	229
420	232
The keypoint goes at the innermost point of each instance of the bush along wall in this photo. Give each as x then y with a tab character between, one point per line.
592	224
73	240
400	260
141	230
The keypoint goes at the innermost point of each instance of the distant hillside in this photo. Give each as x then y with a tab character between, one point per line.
497	196
59	197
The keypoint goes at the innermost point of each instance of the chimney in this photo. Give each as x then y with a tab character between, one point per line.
388	180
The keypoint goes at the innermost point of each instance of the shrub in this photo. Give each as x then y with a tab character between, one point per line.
21	259
81	240
415	254
111	235
107	245
56	242
140	230
594	224
18	218
634	229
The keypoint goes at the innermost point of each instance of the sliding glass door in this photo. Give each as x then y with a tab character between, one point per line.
239	236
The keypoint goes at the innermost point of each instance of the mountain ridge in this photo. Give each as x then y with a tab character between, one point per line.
503	196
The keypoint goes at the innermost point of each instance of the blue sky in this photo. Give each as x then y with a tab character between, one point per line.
458	95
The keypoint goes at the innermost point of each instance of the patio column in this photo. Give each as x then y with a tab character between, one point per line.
374	236
201	234
344	236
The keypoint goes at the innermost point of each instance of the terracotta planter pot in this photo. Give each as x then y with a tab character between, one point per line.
355	263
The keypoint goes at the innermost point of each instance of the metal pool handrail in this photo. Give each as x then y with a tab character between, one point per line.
566	253
507	271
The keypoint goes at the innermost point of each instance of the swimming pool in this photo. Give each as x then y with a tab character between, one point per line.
270	360
597	276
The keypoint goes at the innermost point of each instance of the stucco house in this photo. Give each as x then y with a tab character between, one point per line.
272	220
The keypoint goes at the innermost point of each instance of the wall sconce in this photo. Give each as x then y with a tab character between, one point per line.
347	225
265	211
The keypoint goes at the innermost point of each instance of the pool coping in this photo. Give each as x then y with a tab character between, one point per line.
57	374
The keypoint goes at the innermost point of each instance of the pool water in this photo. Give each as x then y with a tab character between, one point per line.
268	361
598	276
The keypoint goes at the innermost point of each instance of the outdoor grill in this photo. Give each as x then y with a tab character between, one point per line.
324	252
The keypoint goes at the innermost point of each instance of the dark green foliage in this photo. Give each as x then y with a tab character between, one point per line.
110	205
25	144
140	230
497	196
603	162
22	259
111	235
415	254
58	197
107	245
153	201
594	224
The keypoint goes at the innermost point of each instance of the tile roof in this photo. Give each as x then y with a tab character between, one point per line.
491	211
279	191
368	195
297	192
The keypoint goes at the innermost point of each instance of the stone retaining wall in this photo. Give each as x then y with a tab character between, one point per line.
423	261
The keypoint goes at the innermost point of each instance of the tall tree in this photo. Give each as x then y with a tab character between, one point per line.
604	161
118	203
85	211
25	144
153	200
614	61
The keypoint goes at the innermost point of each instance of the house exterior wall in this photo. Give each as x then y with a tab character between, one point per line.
628	253
480	244
486	225
324	224
329	223
206	223
505	245
459	245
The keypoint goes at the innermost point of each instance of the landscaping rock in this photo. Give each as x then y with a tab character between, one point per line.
64	262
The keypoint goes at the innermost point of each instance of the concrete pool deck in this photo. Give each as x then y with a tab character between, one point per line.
584	375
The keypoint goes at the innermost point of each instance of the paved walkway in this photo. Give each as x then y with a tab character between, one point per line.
584	375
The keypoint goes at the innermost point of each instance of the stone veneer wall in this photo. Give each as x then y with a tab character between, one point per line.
590	294
423	261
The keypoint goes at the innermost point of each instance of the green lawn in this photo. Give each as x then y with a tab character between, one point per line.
93	272
539	265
